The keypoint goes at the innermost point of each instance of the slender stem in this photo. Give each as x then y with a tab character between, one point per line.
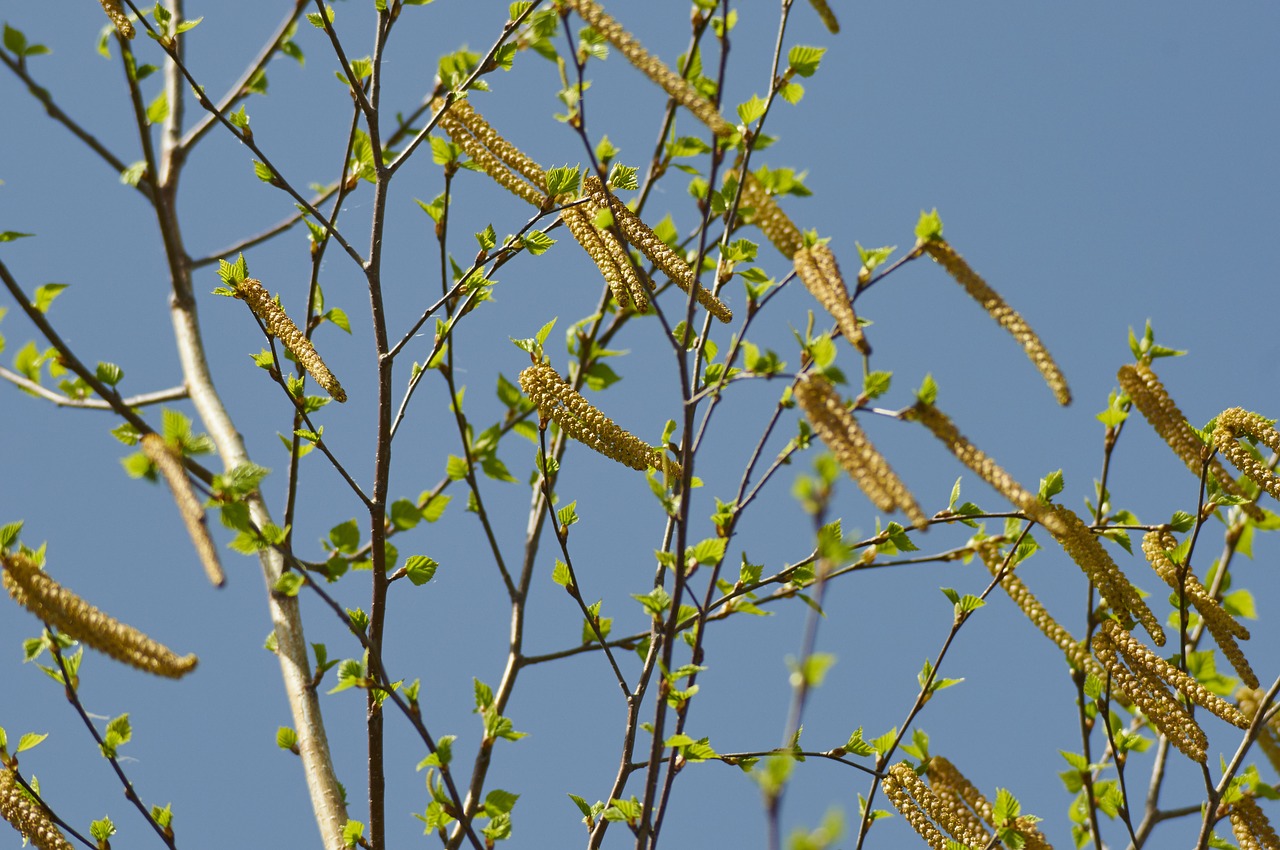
141	400
130	794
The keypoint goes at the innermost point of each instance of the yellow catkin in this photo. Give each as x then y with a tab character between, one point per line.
281	326
947	781
1224	628
1251	826
1141	658
836	425
115	11
769	217
26	815
169	462
818	270
1237	422
1075	651
825	14
486	159
31	588
1083	547
680	89
643	238
637	283
1249	699
622	279
494	141
1005	316
923	808
987	469
1161	707
557	401
1151	398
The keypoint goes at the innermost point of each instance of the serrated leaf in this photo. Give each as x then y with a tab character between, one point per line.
420	569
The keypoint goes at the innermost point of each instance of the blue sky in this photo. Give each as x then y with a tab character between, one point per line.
1099	165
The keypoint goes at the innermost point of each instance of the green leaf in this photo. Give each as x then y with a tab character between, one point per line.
263	172
10	235
537	242
420	569
804	60
102	830
751	110
561	575
133	174
339	318
563	181
158	110
456	468
15	41
109	373
858	747
544	332
289	584
623	178
708	552
433	506
876	384
45	295
928	392
117	734
655	601
286	738
352	832
404	514
1051	485
568	515
929	226
31	739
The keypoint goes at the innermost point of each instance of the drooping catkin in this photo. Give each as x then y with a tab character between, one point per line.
31	588
282	327
948	782
987	469
827	16
820	274
1251	827
680	89
169	462
922	808
1249	700
557	401
1236	422
643	238
1143	660
1224	628
1005	316
769	217
26	815
119	17
1083	547
1153	401
1076	652
1144	688
494	141
491	162
969	805
621	276
836	425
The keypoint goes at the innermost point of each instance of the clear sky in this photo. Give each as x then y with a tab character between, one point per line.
1099	164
